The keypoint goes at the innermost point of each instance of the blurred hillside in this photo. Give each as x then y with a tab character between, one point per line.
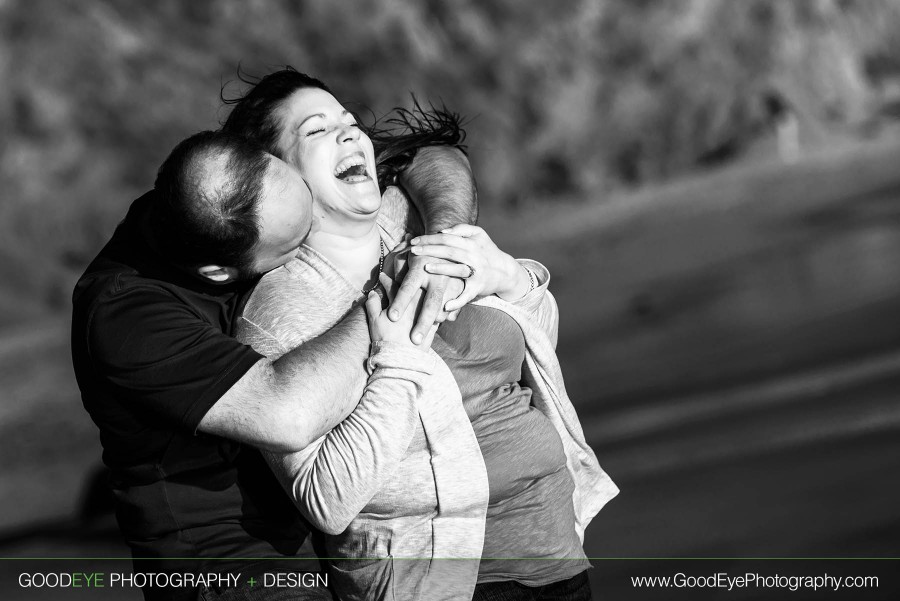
575	98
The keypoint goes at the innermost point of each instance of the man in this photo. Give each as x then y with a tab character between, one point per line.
180	404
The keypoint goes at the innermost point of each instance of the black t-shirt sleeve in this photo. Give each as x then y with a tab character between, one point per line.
162	358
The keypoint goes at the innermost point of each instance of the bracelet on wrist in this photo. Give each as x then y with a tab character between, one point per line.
532	280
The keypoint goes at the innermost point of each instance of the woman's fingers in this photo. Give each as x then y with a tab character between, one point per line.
463	229
373	305
454	270
442	252
467	296
443	239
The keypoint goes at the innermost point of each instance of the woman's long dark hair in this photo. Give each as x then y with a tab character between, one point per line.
255	113
396	137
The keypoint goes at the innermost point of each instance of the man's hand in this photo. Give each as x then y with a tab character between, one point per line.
381	328
438	290
476	260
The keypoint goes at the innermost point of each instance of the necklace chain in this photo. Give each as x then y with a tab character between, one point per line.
380	268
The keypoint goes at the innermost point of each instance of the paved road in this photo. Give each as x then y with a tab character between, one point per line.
812	476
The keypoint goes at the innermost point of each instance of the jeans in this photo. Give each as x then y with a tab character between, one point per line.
577	588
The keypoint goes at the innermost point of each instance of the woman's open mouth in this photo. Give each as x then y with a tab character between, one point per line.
352	169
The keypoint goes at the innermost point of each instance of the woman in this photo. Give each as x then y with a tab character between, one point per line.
408	480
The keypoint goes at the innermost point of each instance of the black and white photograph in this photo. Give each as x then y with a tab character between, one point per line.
398	300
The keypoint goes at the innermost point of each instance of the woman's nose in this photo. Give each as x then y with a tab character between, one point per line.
348	133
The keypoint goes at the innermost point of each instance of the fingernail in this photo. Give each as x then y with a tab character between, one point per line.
417	250
417	338
395	314
445	231
414	241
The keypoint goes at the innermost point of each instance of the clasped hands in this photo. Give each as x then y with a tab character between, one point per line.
451	268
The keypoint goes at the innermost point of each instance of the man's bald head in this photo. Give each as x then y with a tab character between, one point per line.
208	195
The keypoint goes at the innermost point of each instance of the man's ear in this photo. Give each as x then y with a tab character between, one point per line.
217	274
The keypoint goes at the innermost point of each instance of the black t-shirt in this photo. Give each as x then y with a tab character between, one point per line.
153	351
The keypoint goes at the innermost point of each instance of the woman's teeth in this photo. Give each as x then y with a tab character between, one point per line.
354	174
351	169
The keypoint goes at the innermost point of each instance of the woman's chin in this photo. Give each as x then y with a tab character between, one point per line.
360	212
368	212
365	195
366	204
350	201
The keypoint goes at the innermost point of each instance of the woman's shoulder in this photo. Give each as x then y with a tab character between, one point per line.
297	302
275	290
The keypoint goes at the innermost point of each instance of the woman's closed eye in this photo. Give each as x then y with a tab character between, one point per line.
321	129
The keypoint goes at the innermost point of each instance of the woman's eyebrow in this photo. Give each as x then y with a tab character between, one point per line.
321	115
344	113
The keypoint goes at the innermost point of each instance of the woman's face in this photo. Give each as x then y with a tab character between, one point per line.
321	139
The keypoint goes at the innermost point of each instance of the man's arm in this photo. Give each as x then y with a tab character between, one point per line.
286	404
335	477
440	185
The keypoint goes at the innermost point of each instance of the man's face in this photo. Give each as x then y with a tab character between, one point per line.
285	217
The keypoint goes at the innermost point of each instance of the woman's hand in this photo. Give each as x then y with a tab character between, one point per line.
409	269
476	259
383	329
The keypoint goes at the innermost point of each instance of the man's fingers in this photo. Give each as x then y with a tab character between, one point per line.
409	315
455	287
442	316
429	337
388	284
404	296
454	270
431	306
